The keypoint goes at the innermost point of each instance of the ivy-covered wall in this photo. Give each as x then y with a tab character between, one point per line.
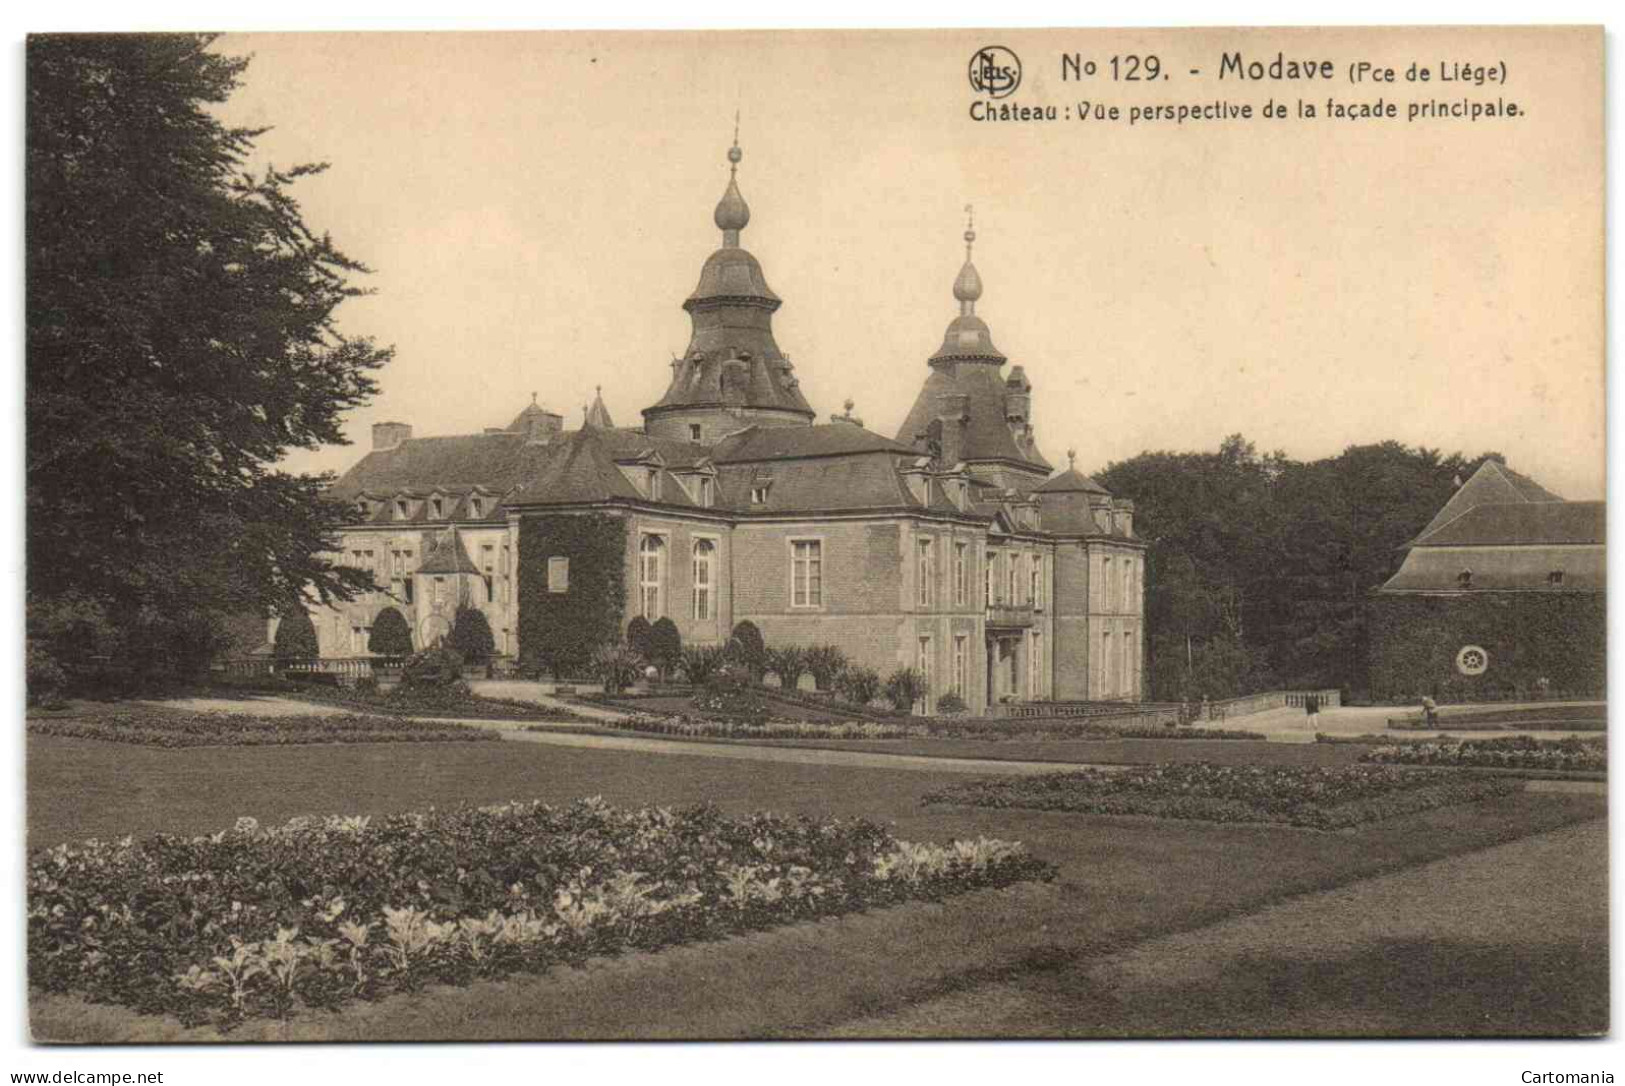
1559	636
558	631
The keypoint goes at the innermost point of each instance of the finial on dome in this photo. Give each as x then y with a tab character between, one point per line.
850	404
968	286
533	397
732	214
1071	458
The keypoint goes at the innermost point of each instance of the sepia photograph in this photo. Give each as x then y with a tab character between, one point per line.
808	535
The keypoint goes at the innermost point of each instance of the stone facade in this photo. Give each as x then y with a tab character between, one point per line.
953	548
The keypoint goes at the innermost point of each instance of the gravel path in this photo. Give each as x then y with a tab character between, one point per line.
795	755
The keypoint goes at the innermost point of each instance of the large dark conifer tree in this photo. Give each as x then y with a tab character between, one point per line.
181	340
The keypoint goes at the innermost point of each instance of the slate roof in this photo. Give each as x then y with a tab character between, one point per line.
1508	569
498	461
1523	523
1511	533
986	434
448	556
756	443
1071	481
1493	482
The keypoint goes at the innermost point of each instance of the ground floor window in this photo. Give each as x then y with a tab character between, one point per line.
1035	666
704	559
806	573
923	665
961	665
651	566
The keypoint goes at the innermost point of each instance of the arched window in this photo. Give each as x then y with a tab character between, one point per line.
1464	579
651	570
704	565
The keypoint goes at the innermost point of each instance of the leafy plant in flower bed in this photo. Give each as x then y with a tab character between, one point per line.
725	728
1589	754
1315	797
256	922
192	729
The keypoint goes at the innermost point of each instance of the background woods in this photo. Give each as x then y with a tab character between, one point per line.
1259	564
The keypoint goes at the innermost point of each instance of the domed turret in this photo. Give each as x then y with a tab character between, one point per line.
733	373
968	398
967	338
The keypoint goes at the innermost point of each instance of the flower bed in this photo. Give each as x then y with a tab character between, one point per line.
452	703
1589	754
177	728
254	922
905	728
1318	798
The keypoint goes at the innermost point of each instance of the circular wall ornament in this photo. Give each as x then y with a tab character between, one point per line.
1472	660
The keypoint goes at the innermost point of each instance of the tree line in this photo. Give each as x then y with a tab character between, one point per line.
1259	566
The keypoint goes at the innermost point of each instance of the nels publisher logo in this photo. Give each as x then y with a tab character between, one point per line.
995	71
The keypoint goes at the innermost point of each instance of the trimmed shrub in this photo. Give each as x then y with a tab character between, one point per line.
471	635
826	662
619	666
296	637
391	634
640	637
904	687
665	646
700	662
858	685
951	705
789	664
434	668
747	647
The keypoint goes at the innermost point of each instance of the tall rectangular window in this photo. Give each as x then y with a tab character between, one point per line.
558	575
704	565
923	665
961	664
707	491
651	568
488	568
989	577
1106	665
1013	579
1035	590
925	572
1130	658
1107	571
806	573
961	573
1035	667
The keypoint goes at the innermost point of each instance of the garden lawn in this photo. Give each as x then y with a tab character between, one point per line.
161	726
1122	880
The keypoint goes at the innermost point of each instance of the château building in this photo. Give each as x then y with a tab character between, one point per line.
952	546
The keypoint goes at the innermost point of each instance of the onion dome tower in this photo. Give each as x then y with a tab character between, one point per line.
968	411
733	374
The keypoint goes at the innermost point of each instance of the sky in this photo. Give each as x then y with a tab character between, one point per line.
536	206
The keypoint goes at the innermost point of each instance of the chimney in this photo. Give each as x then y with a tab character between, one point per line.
1123	516
387	435
1017	398
953	408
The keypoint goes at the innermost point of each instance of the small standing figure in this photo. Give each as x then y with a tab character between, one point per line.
1430	711
1543	684
1311	706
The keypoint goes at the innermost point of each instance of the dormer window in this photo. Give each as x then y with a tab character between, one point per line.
758	493
708	487
694	431
401	510
437	508
476	508
1555	578
654	484
1464	579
